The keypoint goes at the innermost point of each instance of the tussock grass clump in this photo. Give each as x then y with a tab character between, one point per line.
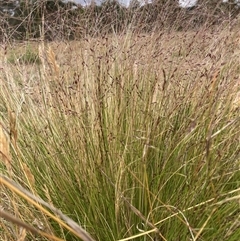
132	136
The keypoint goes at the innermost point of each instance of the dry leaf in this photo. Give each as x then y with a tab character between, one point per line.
29	174
5	147
13	128
22	234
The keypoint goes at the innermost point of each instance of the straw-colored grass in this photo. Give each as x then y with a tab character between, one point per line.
133	137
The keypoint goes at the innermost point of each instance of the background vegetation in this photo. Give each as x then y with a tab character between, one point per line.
130	131
70	21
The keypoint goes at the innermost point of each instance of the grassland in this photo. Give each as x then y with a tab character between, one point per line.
134	137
